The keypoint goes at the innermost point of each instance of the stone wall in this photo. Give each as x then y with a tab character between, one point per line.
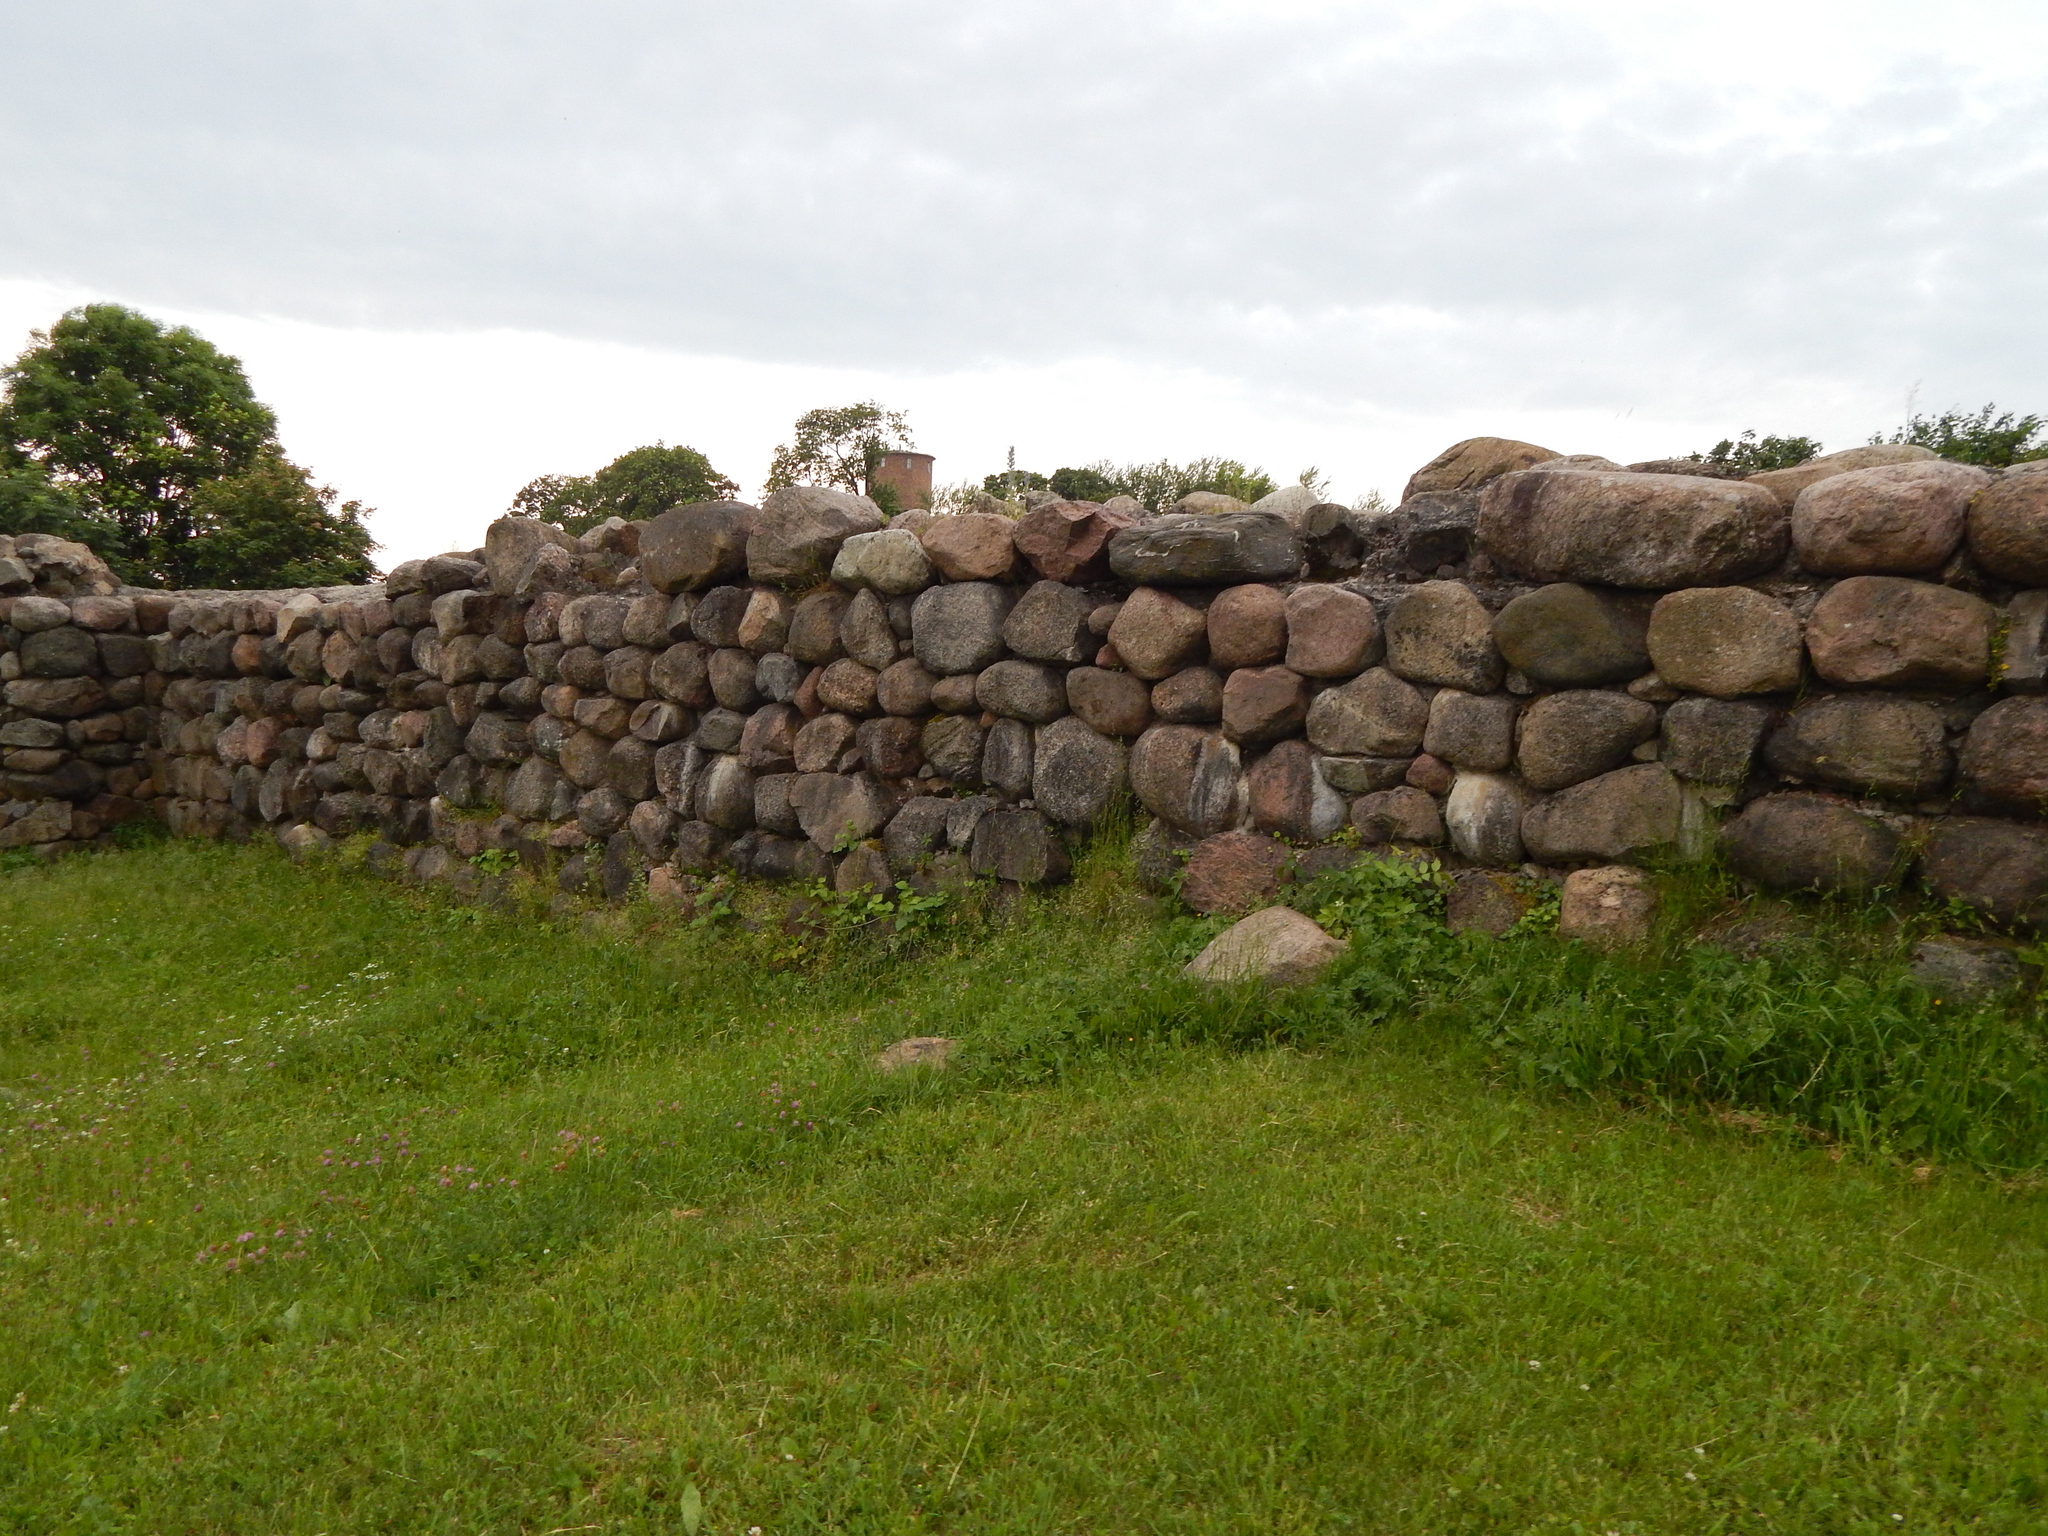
1837	670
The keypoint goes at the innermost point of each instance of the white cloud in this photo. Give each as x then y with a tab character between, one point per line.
461	243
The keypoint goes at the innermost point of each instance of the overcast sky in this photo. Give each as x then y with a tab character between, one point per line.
461	244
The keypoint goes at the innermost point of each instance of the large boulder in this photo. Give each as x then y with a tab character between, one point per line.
952	746
1208	551
1610	908
67	651
1247	626
915	833
1403	814
522	556
959	627
1898	519
2008	525
1018	846
1725	641
1077	772
1799	842
865	632
1994	867
889	560
1570	737
813	634
1473	731
1871	745
1069	540
2023	659
2004	761
1483	814
1467	465
1441	633
1192	696
1889	632
1022	690
819	744
1786	484
1432	533
1623	817
798	531
1276	946
1288	796
1114	703
689	548
1376	714
1188	778
1713	741
1629	530
1157	634
903	688
971	546
1007	758
835	808
1330	632
1569	636
1050	623
1264	703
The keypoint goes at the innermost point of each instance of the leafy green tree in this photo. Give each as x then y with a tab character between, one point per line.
146	442
638	484
1752	455
30	502
1007	483
271	526
1990	436
133	417
1084	484
839	446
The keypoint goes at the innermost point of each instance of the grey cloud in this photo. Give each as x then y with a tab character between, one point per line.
1504	216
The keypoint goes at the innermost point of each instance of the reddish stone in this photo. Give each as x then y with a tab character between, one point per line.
819	745
1114	703
971	546
1069	540
1157	634
1287	796
848	687
1247	626
1264	703
1331	632
1432	775
905	688
1889	632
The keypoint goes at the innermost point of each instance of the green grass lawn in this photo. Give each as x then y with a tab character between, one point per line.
328	1207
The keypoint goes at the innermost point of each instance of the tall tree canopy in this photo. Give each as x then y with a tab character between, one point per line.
839	445
641	483
146	442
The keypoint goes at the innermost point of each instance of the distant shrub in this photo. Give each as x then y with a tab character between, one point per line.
1989	437
1752	455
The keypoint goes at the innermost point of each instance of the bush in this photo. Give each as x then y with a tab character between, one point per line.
1990	437
1752	455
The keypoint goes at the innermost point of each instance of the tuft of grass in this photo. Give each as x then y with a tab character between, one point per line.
325	1206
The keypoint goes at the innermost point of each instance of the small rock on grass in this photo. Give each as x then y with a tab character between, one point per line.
1277	946
1609	908
934	1051
1964	970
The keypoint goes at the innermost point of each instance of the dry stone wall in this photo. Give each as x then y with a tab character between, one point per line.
1836	671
